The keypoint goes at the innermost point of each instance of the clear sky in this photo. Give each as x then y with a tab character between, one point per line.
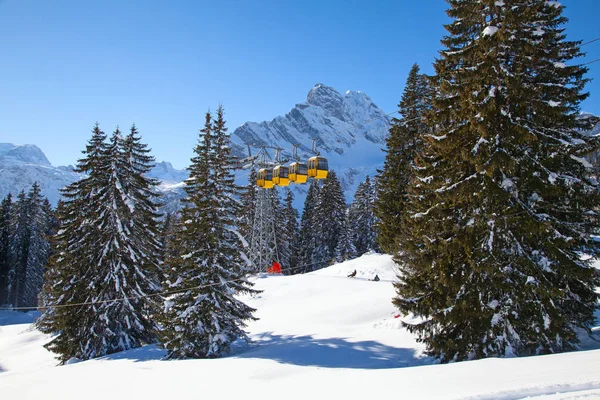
65	64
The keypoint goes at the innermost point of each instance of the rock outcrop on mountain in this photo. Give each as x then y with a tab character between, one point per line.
349	130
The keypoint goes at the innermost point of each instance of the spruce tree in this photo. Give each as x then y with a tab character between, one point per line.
403	144
18	251
69	267
503	204
5	235
330	215
306	237
345	249
205	317
108	254
38	247
362	217
248	200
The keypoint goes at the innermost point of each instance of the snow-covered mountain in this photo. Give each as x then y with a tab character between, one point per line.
349	130
22	165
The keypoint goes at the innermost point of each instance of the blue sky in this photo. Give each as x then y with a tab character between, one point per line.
66	64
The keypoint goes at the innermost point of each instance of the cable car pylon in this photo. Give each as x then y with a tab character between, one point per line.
263	242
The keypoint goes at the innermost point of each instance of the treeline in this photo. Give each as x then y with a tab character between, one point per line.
329	229
26	226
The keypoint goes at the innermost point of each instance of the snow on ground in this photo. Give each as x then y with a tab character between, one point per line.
319	335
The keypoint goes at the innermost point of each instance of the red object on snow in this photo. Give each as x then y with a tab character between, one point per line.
275	268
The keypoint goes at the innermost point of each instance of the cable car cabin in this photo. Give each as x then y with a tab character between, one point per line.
264	178
317	167
298	172
281	175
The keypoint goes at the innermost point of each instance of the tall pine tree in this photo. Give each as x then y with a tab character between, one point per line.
503	204
205	318
362	218
5	235
108	253
306	237
69	267
329	222
403	145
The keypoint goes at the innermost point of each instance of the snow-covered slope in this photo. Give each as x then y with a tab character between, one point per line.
320	335
349	130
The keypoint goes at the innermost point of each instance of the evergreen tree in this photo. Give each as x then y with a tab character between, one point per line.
5	235
38	247
109	247
171	225
403	144
202	321
289	234
362	218
248	200
503	204
345	249
330	216
306	237
70	266
18	251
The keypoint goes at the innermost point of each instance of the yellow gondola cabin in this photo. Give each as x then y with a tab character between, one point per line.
281	175
298	172
317	167
264	178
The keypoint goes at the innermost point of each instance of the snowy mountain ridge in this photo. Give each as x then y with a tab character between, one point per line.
349	130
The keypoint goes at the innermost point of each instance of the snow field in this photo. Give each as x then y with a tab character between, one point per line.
321	335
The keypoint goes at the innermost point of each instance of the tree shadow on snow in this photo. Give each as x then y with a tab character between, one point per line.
17	317
331	353
139	354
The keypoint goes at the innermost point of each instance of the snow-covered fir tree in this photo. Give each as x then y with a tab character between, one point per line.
248	200
403	144
171	224
68	268
38	221
204	317
5	235
306	237
503	205
345	249
18	249
362	217
28	248
110	248
329	222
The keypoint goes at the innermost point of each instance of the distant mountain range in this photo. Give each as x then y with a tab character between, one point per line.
349	130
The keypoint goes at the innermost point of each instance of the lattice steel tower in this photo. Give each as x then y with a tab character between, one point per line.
263	243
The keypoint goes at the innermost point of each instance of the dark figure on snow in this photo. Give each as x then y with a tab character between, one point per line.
376	279
352	275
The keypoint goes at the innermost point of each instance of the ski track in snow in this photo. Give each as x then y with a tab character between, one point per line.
319	335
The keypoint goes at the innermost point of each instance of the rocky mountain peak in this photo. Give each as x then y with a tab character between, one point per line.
22	154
